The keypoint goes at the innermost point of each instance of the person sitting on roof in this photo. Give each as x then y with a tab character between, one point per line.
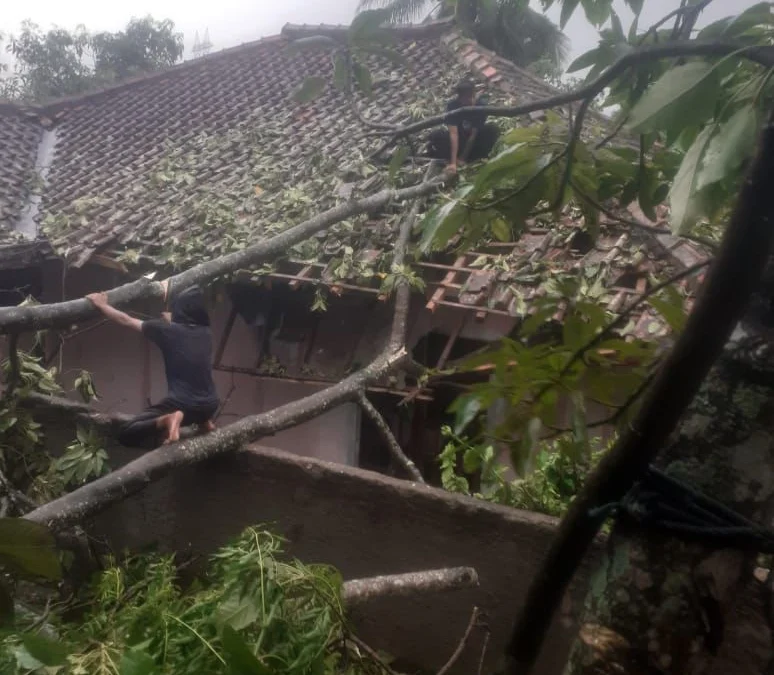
467	138
185	340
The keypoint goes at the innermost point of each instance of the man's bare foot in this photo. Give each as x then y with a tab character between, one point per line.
171	425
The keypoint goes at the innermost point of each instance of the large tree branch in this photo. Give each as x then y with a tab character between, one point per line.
137	475
761	55
726	292
37	317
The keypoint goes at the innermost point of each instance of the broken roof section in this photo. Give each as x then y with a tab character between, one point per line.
201	159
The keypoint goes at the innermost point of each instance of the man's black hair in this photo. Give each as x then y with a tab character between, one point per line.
189	308
465	87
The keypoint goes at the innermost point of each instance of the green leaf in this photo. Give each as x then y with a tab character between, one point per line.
523	134
362	77
368	27
49	652
673	314
517	208
467	408
309	90
313	42
501	230
568	7
238	611
735	26
396	161
516	164
28	548
240	659
684	201
597	11
26	661
135	662
682	97
730	146
340	72
471	460
635	6
441	224
590	58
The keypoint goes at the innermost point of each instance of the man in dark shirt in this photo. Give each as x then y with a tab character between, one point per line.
185	340
468	137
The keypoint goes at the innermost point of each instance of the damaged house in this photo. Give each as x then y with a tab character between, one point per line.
161	172
165	171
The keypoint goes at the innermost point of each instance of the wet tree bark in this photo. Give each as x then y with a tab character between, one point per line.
658	605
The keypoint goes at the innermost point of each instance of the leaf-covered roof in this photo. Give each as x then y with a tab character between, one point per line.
207	157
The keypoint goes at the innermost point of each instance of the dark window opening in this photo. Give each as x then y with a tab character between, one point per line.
16	285
629	279
582	242
433	345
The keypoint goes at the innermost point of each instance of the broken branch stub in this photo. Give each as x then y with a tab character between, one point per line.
441	580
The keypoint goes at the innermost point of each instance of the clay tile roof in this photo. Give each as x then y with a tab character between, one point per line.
107	147
201	159
19	140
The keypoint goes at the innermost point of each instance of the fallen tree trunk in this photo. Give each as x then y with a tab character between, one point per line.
135	476
56	315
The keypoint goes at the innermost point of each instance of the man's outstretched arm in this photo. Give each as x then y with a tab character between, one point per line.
100	301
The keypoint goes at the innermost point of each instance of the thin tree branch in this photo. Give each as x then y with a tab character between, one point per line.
761	55
674	13
17	499
14	370
442	580
487	635
36	317
636	224
371	652
462	644
725	294
389	439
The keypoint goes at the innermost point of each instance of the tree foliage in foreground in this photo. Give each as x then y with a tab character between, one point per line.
250	612
57	62
686	131
508	27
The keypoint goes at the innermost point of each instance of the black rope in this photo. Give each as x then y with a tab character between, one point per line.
661	502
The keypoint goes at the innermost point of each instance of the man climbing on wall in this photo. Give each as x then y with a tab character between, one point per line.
185	340
467	138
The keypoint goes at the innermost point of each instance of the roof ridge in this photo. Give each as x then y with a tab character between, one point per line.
289	32
406	30
483	61
60	103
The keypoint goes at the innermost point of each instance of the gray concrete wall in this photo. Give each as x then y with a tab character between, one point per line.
365	525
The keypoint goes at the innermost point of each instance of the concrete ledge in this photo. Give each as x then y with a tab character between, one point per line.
365	524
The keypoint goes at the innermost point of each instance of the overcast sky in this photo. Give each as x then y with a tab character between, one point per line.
231	22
